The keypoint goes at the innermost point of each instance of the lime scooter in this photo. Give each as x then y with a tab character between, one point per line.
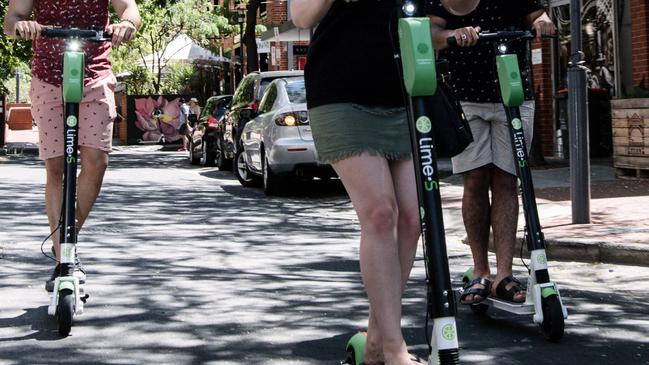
543	299
68	296
420	80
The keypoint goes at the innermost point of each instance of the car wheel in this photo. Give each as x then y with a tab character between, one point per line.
193	158
219	156
272	183
208	157
243	174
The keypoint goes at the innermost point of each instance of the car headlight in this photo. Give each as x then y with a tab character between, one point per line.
292	119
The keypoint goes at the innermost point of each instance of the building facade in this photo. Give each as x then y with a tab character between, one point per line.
616	53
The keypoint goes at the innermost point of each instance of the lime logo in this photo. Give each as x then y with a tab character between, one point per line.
422	48
71	121
517	124
541	260
424	125
67	252
514	75
448	332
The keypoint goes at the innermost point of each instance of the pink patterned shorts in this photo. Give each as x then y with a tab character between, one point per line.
96	114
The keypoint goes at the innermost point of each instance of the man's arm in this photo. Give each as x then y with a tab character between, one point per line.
540	22
129	16
465	37
308	13
17	20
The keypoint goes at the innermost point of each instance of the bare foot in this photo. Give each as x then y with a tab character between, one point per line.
373	351
398	355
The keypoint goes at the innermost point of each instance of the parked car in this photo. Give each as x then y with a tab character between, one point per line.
204	137
246	96
277	146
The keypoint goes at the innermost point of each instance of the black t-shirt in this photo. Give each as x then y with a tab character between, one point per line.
473	69
351	56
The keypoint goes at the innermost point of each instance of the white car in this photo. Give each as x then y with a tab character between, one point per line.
277	143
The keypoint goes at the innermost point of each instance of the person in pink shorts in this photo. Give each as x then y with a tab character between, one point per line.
25	19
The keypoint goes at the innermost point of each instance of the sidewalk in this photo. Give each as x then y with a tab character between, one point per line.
20	142
619	228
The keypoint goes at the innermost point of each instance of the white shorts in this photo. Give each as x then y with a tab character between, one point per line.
491	139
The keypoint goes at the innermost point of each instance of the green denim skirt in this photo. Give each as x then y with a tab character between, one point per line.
344	130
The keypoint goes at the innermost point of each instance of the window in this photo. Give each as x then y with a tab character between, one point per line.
296	91
268	100
244	93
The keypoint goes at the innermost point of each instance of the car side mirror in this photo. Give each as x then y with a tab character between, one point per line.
247	113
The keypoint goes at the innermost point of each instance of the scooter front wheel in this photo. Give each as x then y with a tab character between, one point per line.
65	311
356	349
553	325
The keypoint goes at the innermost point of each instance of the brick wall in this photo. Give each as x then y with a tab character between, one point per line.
277	13
544	114
640	40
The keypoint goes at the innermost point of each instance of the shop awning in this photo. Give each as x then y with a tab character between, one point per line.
286	32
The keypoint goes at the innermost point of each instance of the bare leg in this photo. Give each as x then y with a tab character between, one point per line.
476	212
54	197
408	232
93	167
504	222
369	184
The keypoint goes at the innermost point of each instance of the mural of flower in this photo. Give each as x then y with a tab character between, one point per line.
157	119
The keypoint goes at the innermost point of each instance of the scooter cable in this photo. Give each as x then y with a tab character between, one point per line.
58	226
45	240
521	252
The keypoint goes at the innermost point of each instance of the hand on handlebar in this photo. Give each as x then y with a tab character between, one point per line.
467	36
121	32
542	28
28	30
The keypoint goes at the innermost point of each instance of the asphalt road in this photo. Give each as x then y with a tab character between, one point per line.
185	266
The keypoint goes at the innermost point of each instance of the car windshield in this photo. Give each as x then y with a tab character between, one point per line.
296	91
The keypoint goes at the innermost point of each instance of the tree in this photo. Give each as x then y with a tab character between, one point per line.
13	54
160	25
250	35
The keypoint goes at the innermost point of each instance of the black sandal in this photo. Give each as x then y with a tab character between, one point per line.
482	292
508	294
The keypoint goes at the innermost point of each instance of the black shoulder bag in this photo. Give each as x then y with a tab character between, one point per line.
452	131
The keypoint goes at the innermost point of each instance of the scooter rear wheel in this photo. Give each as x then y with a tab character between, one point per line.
65	311
553	325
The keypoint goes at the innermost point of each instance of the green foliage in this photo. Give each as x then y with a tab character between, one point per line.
637	91
13	54
161	25
9	85
182	79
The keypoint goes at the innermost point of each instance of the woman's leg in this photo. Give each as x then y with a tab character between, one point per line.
369	183
408	232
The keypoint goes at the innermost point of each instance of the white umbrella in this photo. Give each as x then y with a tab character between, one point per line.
181	50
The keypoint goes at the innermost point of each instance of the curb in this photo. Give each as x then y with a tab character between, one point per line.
597	252
588	251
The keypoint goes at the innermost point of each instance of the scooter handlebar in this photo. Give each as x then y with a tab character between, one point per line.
498	36
89	34
71	33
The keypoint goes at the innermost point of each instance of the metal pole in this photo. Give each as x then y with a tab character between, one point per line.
17	86
578	131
